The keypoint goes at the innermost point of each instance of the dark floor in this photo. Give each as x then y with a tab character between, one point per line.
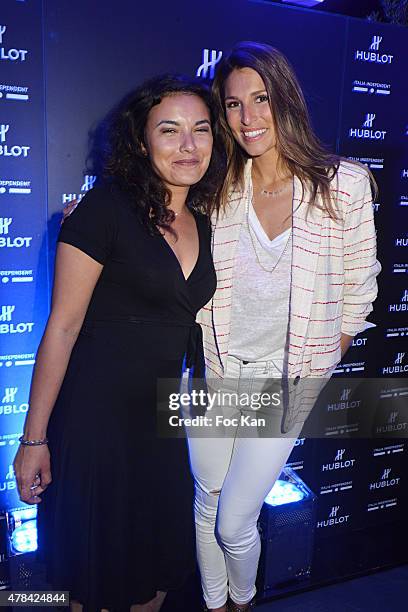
385	590
382	591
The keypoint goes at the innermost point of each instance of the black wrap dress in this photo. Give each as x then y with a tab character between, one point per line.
116	523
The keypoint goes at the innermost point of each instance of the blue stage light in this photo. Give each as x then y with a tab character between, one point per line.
283	492
286	524
24	514
24	538
23	530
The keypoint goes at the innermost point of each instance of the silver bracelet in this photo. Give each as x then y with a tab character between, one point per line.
25	442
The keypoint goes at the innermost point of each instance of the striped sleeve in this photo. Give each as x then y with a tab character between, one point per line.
360	259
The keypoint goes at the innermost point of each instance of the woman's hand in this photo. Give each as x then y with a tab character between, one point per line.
68	209
33	472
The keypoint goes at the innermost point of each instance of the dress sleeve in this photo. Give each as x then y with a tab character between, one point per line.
91	226
361	266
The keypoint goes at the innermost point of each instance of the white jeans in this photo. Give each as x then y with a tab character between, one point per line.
234	471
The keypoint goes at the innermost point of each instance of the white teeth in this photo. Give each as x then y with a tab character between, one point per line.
254	133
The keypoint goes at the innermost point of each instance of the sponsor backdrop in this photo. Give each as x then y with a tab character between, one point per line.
24	284
64	66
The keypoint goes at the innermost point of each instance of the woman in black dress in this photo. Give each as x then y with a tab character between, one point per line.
133	268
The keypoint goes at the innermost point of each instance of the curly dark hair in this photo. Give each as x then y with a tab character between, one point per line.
128	166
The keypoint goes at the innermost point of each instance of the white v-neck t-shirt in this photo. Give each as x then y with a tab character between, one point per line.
260	298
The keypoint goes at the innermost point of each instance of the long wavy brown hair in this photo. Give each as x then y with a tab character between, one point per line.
298	146
127	165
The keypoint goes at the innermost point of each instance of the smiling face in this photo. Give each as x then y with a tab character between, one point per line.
179	140
248	113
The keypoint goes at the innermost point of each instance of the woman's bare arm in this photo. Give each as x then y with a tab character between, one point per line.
76	275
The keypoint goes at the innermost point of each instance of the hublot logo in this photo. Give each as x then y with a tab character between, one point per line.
334	518
392	424
366	132
338	463
385	481
374	55
344	403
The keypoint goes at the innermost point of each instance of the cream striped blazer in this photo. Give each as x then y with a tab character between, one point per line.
333	283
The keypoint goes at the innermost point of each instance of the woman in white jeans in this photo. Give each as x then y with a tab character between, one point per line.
294	249
234	471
